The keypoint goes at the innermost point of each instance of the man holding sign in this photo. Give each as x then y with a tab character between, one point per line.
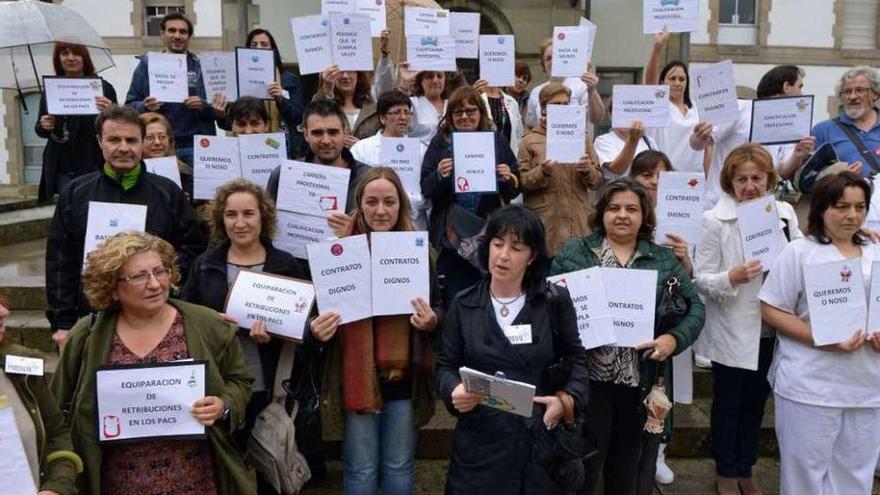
194	115
122	180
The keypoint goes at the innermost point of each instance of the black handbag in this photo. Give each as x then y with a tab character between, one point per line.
672	307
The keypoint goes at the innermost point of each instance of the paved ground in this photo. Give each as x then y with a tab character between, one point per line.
692	477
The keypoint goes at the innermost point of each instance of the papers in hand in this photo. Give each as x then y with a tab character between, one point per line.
341	39
632	102
499	392
15	470
282	303
759	230
72	95
167	74
108	219
713	90
780	120
680	206
836	300
678	16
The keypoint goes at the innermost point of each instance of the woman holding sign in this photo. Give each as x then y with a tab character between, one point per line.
511	322
734	338
453	206
376	385
128	279
72	149
827	397
45	439
623	226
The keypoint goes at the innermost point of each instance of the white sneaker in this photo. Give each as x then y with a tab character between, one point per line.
702	362
664	474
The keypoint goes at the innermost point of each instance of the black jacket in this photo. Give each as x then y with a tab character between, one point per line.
357	169
491	448
208	285
79	154
442	194
169	216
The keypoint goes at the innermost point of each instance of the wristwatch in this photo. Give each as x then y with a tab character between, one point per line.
225	415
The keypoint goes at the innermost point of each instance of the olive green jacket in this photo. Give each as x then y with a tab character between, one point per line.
52	434
208	338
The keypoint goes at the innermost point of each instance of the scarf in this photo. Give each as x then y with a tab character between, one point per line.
272	108
127	179
373	349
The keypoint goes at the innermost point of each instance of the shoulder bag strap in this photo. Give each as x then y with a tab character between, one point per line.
282	372
647	143
859	144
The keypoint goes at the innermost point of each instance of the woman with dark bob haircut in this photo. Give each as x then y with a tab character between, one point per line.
827	397
623	226
510	322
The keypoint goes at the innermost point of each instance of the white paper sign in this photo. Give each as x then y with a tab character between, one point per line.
591	28
759	230
165	166
108	219
420	21
836	299
404	155
312	189
311	35
713	91
260	155
631	300
650	104
256	69
497	59
72	95
780	120
680	206
22	365
872	220
587	292
375	9
431	53
566	132
219	75
499	393
465	29
337	7
341	274
282	303
473	162
296	231
350	42
400	271
874	302
15	471
150	401
572	50
168	77
679	16
215	162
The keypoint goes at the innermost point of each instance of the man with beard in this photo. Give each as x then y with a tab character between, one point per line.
855	133
123	179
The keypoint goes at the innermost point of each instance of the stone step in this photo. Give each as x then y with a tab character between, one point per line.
22	274
18	203
26	224
31	329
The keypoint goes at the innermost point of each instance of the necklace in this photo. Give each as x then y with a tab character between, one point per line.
504	309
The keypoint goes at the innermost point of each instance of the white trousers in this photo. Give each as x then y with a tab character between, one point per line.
826	450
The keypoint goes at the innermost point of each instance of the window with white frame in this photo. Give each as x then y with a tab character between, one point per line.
859	24
154	15
737	12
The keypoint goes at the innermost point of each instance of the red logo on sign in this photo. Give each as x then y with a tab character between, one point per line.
336	249
204	142
693	182
560	36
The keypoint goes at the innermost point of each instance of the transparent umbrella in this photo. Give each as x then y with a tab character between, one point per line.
28	31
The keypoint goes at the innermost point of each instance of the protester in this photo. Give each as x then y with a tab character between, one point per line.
248	115
395	114
465	112
674	140
855	133
124	180
429	104
159	143
128	279
617	148
324	126
504	110
376	386
285	110
520	89
584	89
493	451
623	225
826	397
558	193
195	115
242	227
734	338
40	423
785	80
71	149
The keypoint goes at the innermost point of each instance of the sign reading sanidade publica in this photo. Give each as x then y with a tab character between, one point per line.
399	270
341	274
836	299
282	303
474	162
149	401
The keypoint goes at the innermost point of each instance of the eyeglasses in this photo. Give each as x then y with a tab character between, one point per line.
400	113
141	279
855	91
470	112
156	137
